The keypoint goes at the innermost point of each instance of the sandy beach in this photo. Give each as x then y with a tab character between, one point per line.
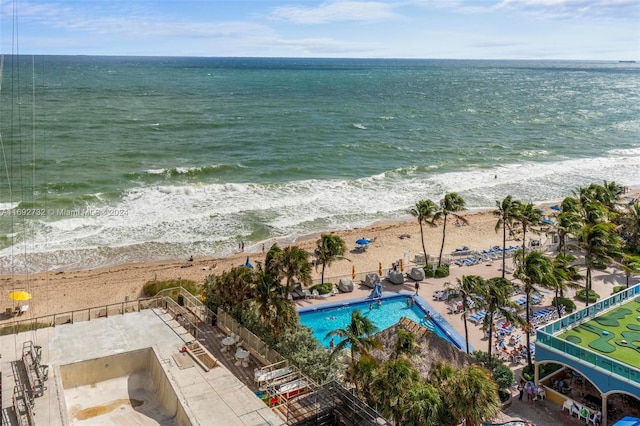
63	291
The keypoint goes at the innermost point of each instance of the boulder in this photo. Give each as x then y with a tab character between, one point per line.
371	280
345	285
416	274
395	277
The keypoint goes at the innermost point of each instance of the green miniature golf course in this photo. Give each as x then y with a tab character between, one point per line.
615	334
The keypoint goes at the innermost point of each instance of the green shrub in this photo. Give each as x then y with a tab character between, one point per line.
582	295
528	373
502	374
568	303
618	289
442	271
323	288
428	271
548	368
151	288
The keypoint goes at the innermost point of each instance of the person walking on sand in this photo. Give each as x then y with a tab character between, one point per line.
417	287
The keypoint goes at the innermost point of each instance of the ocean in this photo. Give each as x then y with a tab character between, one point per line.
109	160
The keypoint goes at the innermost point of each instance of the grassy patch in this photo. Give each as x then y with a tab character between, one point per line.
605	334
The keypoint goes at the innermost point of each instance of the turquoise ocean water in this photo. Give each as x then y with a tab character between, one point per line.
119	159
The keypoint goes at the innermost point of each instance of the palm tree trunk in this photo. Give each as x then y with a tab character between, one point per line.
524	242
466	331
558	305
504	245
588	285
444	232
490	340
424	248
528	335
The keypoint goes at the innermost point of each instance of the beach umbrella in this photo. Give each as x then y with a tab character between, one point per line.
362	241
19	295
380	268
353	272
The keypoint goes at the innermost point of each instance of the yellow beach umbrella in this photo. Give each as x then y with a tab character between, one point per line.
353	272
19	295
380	268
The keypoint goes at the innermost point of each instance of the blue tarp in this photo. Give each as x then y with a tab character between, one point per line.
376	292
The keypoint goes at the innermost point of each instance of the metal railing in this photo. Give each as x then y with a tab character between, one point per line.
252	343
544	336
178	294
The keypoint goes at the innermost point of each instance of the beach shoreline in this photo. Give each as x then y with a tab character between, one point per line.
63	291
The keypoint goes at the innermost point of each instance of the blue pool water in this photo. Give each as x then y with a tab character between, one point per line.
323	319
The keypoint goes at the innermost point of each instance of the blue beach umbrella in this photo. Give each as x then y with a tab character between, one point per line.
362	241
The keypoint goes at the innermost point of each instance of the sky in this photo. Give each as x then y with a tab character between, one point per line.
451	29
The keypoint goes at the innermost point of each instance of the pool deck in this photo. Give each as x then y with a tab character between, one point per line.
540	413
438	319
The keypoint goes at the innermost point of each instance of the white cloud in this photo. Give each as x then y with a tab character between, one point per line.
338	11
576	8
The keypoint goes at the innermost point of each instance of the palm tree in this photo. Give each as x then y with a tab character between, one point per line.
506	214
230	289
361	373
533	269
566	273
495	299
529	216
630	265
406	343
472	395
451	204
329	248
601	245
275	312
391	385
423	405
424	211
467	287
358	334
295	264
630	226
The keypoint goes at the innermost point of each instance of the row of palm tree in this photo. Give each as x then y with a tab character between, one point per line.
395	387
428	213
265	289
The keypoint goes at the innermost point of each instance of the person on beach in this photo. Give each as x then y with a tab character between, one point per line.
417	287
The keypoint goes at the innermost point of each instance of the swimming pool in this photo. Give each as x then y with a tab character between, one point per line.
332	316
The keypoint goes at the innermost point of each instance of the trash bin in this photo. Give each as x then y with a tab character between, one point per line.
180	300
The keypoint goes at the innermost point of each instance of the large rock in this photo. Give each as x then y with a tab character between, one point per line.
371	280
395	277
416	274
345	285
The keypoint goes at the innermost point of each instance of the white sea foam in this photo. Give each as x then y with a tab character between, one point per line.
166	221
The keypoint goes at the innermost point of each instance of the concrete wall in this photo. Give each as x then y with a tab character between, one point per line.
143	370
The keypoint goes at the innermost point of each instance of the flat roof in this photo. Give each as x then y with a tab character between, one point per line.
206	395
614	333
